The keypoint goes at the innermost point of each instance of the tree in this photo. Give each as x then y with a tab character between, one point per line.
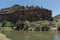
44	25
31	7
26	6
16	7
26	24
36	25
0	24
18	25
58	25
6	24
37	7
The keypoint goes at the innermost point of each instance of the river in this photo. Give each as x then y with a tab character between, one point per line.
25	35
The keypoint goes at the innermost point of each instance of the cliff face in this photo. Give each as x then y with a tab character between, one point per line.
30	14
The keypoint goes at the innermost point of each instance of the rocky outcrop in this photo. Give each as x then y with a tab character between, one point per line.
30	14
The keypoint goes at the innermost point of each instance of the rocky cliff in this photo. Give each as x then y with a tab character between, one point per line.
31	13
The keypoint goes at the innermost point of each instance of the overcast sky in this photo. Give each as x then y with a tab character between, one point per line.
53	5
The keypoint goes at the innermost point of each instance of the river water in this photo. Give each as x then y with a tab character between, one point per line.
24	35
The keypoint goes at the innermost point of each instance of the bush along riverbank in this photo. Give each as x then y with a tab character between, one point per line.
43	25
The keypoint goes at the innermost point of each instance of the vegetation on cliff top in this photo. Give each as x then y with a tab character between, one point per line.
17	7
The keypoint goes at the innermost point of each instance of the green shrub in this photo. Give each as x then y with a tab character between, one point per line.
57	20
44	23
35	24
18	23
58	24
6	24
0	24
26	23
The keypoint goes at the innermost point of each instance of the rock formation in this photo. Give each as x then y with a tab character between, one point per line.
21	13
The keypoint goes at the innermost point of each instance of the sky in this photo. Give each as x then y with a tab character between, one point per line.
53	5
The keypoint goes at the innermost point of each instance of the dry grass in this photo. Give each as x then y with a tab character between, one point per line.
3	37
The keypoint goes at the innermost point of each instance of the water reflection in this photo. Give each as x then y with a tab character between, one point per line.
17	35
57	36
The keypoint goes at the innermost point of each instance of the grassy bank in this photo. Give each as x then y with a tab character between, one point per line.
2	30
5	29
3	37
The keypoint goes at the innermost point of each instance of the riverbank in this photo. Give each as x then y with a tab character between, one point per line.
5	29
3	37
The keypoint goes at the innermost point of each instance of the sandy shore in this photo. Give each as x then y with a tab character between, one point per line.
3	37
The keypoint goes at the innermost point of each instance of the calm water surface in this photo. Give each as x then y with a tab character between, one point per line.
17	35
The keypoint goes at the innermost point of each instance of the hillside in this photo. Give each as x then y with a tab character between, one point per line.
57	16
30	13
